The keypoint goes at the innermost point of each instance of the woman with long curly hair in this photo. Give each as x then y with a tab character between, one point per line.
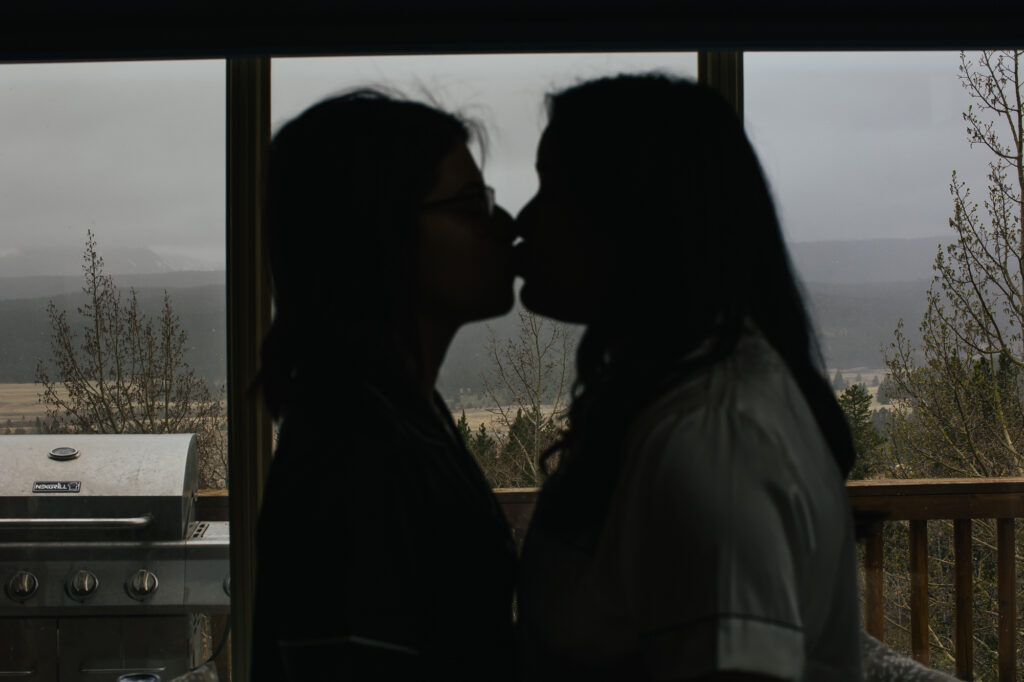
694	524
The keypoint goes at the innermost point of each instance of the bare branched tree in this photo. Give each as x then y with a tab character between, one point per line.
528	389
956	397
127	373
959	412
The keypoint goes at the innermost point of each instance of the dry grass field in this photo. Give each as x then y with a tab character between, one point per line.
477	416
19	403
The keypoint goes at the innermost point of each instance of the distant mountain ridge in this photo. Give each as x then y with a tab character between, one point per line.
857	292
866	261
66	261
40	286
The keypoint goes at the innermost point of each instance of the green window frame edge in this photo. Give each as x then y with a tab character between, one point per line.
249	311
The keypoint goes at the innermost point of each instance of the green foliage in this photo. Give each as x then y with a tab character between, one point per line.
530	434
483	445
880	419
856	405
886	390
874	380
838	382
462	427
956	395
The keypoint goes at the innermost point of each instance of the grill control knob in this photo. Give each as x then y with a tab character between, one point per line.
22	586
142	585
83	584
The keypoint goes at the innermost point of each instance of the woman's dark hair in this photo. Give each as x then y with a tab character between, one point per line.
663	167
346	180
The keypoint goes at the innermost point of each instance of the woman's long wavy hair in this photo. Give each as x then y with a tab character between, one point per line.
346	180
663	167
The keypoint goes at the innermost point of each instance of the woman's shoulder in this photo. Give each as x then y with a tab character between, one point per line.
747	405
749	386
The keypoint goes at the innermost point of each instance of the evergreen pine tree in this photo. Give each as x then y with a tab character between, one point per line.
462	427
520	434
884	395
838	382
482	445
856	405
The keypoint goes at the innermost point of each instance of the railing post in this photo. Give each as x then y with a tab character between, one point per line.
1007	587
964	571
874	612
919	590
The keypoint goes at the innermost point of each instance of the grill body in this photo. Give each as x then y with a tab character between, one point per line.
103	564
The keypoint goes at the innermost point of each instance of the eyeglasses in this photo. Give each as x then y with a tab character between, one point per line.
475	203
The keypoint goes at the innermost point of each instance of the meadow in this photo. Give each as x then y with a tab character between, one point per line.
19	406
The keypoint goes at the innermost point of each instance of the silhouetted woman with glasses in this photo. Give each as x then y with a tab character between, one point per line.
383	553
695	525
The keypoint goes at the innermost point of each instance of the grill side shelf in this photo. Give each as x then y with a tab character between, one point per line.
119	523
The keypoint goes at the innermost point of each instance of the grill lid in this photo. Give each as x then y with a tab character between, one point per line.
74	487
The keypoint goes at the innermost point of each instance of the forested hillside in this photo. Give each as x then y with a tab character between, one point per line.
855	313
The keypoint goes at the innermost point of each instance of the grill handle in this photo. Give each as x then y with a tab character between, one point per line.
124	523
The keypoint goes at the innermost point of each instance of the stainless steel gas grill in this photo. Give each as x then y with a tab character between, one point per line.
102	562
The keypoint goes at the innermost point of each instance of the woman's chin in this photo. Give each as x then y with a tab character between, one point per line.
495	305
534	300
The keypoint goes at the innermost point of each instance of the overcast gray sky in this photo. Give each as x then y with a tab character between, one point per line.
856	145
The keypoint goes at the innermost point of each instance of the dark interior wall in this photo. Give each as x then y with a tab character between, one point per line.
119	29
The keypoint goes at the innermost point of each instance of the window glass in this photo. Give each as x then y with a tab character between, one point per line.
505	93
123	161
860	150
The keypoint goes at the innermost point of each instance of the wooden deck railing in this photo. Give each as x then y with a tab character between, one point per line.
960	501
875	503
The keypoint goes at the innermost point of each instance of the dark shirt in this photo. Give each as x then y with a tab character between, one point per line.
383	554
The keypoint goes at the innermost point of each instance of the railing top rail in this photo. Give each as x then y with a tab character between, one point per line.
884	486
934	486
890	499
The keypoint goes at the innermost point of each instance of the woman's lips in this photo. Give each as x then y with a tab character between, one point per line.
520	259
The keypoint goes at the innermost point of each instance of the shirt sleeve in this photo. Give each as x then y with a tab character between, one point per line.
715	536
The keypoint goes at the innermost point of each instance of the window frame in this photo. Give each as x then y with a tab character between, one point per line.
718	34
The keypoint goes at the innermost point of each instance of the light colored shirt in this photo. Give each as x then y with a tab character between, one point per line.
728	546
